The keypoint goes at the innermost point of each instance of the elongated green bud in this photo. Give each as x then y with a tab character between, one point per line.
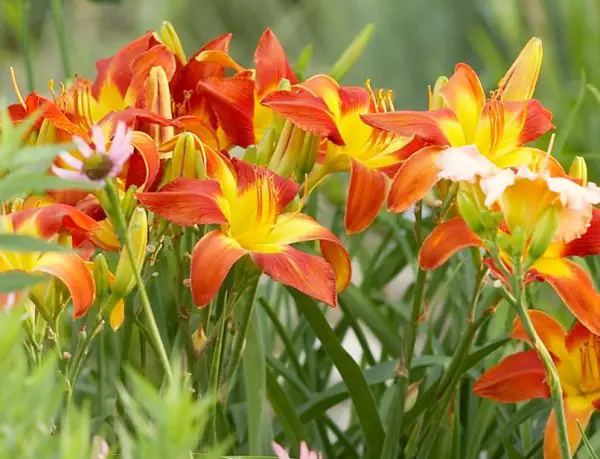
543	234
158	100
101	276
129	202
352	53
469	211
187	161
138	234
171	40
579	170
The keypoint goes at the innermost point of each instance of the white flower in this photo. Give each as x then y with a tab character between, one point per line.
464	164
572	195
97	165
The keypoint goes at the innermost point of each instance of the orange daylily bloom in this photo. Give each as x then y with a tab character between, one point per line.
320	106
248	202
499	127
522	376
69	268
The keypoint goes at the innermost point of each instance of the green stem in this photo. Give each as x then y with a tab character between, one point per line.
551	371
59	26
154	333
24	7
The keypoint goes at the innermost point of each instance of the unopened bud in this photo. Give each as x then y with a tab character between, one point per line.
578	170
187	161
171	40
469	211
199	340
308	156
101	276
543	234
117	315
436	101
138	235
158	100
129	202
519	239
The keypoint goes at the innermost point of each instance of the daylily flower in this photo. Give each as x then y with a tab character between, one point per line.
522	376
524	198
305	453
460	115
322	107
248	202
69	268
99	164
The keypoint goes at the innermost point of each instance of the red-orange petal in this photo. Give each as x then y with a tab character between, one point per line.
366	195
517	378
425	125
589	243
538	120
195	71
72	271
444	241
305	110
550	331
143	166
232	99
415	178
573	414
574	286
186	202
212	258
272	64
310	274
354	99
465	97
157	56
577	336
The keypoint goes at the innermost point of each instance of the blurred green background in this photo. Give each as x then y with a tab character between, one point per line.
414	42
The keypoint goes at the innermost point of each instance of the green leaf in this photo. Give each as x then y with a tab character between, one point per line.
19	183
22	243
586	442
303	61
358	388
352	53
13	281
41	155
571	120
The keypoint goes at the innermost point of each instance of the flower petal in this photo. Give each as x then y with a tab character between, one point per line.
353	99
415	178
550	331
520	80
272	64
538	121
73	272
187	202
573	413
444	241
366	195
310	274
143	166
518	377
305	110
589	243
575	288
465	97
212	258
157	56
232	99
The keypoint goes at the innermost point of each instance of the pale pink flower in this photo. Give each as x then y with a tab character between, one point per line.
305	453
99	164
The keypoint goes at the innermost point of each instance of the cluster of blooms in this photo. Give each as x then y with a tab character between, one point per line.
166	125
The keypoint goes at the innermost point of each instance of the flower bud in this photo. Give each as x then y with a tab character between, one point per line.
578	170
138	235
308	156
101	276
129	202
199	340
436	101
158	100
519	241
171	40
117	315
543	234
469	211
187	161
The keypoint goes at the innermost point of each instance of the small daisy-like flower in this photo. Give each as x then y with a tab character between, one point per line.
99	164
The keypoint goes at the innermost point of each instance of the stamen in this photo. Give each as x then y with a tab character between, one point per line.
13	78
429	95
389	97
548	152
51	88
371	93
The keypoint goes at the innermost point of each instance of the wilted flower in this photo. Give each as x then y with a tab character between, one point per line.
97	164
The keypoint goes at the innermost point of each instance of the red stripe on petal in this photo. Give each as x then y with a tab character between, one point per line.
212	259
354	99
415	178
186	202
310	274
272	64
425	125
444	241
232	99
307	111
72	271
573	414
366	195
517	378
538	120
574	286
